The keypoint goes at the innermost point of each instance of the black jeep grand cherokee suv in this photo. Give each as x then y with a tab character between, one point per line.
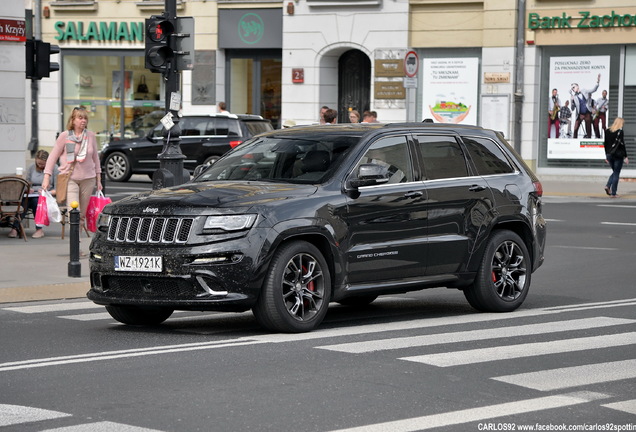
294	219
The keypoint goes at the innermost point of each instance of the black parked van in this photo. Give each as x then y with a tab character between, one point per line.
297	218
204	139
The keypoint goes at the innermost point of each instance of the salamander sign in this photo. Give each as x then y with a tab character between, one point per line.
585	20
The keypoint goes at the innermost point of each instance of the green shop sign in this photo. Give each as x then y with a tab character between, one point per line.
584	20
99	31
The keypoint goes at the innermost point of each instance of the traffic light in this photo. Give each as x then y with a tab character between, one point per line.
159	48
38	59
184	43
43	63
30	58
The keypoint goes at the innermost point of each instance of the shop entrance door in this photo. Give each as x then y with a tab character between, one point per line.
354	84
253	84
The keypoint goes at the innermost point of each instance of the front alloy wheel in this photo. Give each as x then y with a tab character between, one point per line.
296	292
503	278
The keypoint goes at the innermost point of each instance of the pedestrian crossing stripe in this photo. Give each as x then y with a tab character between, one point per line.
472	415
16	414
574	376
474	335
507	352
11	415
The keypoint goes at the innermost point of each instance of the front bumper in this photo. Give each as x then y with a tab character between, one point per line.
221	277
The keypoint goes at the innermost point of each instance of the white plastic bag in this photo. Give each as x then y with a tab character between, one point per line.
51	207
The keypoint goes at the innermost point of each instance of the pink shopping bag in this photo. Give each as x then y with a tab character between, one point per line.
95	206
41	212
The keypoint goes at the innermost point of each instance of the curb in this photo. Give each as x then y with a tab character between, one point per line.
44	292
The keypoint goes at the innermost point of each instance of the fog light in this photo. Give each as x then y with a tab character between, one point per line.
210	260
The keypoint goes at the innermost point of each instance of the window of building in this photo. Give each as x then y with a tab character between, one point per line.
115	88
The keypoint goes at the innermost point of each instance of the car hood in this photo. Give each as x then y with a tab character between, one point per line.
190	198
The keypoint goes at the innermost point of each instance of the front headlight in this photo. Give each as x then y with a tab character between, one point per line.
229	222
103	221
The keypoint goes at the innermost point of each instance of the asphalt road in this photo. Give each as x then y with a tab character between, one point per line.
419	361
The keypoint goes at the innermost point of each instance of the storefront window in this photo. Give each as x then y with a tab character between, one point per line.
115	88
255	85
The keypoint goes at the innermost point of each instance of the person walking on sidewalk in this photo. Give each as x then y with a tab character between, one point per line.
615	154
76	149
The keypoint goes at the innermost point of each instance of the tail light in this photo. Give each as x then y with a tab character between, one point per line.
538	188
234	143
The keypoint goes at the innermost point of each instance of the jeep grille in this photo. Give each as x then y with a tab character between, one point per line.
124	229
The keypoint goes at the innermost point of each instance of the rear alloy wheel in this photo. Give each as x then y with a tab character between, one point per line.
139	315
117	167
296	291
503	279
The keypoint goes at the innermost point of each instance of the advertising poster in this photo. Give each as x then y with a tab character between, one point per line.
449	93
577	109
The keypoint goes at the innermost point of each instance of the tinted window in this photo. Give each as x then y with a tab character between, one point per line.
442	157
192	126
487	156
258	127
393	154
222	126
297	160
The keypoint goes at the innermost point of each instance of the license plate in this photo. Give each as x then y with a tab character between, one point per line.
152	264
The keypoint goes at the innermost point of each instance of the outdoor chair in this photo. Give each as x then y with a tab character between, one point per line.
12	193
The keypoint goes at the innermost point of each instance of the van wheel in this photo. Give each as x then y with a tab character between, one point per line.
296	292
117	167
138	315
503	279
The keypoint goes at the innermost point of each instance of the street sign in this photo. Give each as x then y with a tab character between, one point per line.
411	64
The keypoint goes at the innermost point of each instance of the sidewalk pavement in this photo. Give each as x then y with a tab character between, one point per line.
38	268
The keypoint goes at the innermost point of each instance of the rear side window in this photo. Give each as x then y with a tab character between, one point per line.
442	157
488	158
258	127
192	126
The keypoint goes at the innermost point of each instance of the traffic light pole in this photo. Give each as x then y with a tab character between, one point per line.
171	171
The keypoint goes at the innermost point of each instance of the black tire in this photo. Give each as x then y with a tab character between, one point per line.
503	279
296	292
117	167
358	301
139	315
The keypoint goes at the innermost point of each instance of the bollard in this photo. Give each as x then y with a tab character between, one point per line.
74	265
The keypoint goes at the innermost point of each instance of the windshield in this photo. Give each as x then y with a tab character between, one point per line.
306	159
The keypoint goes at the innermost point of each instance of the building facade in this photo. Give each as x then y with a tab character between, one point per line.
451	61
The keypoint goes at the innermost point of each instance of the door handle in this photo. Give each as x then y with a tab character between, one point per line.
477	188
413	194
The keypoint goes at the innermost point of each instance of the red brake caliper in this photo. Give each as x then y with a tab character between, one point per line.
310	285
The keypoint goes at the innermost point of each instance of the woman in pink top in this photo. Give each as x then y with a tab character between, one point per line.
76	144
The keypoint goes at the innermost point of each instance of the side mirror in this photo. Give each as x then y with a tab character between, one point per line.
370	175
